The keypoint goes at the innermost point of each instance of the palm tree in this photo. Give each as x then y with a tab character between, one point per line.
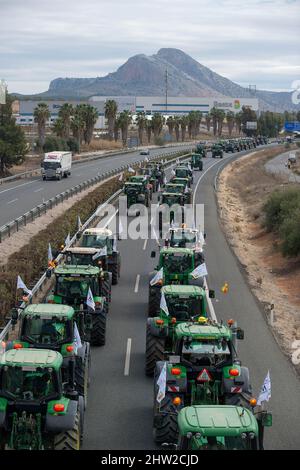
170	124
110	110
183	124
177	122
59	128
116	129
149	130
214	112
41	116
90	116
141	123
125	119
65	113
238	122
208	121
221	117
77	126
198	118
157	124
230	122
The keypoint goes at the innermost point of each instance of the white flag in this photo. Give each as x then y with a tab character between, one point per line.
201	238
131	170
146	159
165	180
79	223
77	339
186	190
159	188
90	300
21	285
102	252
50	256
121	177
68	240
173	172
115	244
265	392
162	382
158	277
200	271
163	304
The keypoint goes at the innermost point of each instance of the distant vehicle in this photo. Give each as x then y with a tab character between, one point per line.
292	161
56	165
145	152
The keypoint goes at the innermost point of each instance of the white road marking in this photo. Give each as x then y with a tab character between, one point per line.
137	282
38	190
16	187
127	358
14	200
145	244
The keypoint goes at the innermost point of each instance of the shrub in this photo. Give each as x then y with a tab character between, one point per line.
290	234
73	145
53	143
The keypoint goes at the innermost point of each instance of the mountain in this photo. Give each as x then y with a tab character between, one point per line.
144	75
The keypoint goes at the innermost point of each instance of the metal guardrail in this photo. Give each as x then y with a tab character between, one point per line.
6	330
13	226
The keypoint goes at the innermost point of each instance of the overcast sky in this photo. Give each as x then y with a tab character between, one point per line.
248	41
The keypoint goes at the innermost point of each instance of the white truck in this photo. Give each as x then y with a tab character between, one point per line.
56	165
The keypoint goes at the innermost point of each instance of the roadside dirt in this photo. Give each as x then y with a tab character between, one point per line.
244	186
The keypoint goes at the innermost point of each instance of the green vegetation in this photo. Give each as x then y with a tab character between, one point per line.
12	139
282	216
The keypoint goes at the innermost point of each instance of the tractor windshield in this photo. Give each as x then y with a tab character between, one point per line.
22	384
81	259
170	200
184	308
71	288
177	262
180	238
182	173
221	443
96	241
178	188
210	352
130	189
46	331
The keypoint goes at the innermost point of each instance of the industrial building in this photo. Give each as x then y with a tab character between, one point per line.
168	106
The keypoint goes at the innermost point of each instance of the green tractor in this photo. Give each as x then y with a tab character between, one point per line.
155	173
145	181
102	240
202	370
217	151
171	206
196	161
47	326
136	193
218	427
37	410
201	150
176	266
182	304
184	171
83	256
177	186
72	285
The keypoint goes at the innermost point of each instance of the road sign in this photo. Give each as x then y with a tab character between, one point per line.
251	125
292	126
2	92
204	376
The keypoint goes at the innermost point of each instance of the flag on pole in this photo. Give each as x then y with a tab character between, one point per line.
102	252
79	223
121	177
177	161
186	190
201	238
21	285
146	159
131	170
50	256
158	188
115	244
200	271
163	304
173	172
165	180
77	339
158	277
266	390
90	300
162	382
68	240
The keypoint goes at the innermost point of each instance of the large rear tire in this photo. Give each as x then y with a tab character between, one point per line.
82	378
98	333
155	347
69	440
154	301
166	427
115	273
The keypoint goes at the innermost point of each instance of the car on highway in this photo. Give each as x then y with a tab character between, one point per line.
145	152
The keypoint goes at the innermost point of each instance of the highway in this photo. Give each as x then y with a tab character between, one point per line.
119	413
19	197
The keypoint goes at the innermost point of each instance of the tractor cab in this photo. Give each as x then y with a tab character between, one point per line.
217	150
184	237
196	160
174	188
184	171
171	198
98	238
137	193
177	264
218	428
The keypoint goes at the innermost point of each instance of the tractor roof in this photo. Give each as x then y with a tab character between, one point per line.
32	358
177	178
80	250
49	310
98	231
71	270
166	251
203	331
178	289
133	183
137	177
227	421
183	229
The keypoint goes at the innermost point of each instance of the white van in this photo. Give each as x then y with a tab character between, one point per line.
56	165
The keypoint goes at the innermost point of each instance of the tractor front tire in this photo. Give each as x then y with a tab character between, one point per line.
166	427
115	273
155	348
154	301
69	440
98	332
82	378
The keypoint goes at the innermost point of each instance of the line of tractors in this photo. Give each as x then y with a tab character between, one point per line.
45	366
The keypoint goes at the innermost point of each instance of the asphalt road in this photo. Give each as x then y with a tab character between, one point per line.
119	413
16	198
278	166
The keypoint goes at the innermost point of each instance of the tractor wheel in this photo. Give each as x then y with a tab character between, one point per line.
69	440
82	378
154	301
155	348
166	427
99	329
106	287
115	273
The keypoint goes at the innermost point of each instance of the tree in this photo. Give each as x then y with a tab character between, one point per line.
90	116
238	122
65	113
59	128
157	124
177	123
110	110
77	126
183	125
125	119
170	124
198	119
41	115
13	145
208	121
230	122
149	130
141	124
214	113
221	117
248	115
116	129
